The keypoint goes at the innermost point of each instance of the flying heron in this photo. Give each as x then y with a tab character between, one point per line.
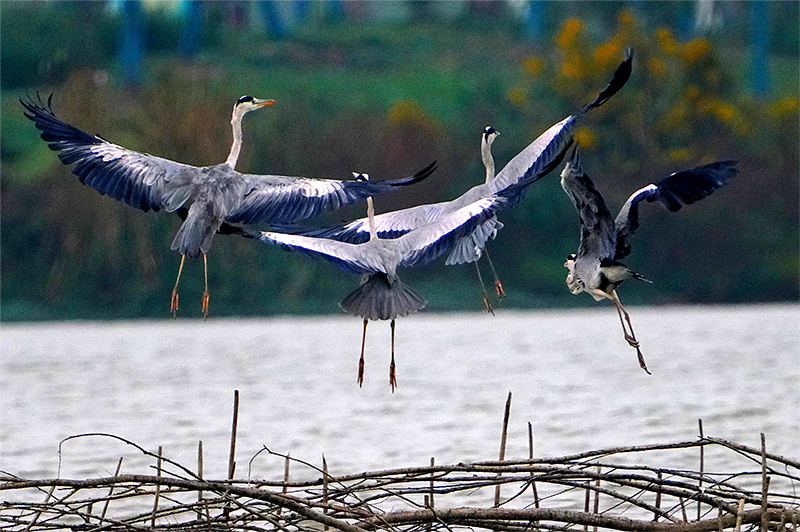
381	294
595	268
534	162
218	197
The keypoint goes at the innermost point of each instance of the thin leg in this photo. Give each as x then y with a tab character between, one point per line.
205	292
498	286
483	290
631	338
173	303
361	360
392	375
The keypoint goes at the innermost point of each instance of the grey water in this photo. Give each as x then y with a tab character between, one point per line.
170	383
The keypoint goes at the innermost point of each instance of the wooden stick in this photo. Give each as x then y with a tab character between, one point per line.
658	497
324	488
530	456
764	485
739	516
597	495
39	513
200	476
158	490
503	446
700	481
110	491
286	472
232	458
433	463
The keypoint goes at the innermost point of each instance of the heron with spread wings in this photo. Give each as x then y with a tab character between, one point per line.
538	159
207	198
595	268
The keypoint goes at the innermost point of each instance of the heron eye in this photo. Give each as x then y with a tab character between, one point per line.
244	99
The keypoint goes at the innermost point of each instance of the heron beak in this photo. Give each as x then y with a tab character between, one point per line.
262	103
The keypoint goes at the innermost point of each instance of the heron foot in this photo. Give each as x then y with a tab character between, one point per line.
361	371
488	305
392	376
204	305
641	361
498	286
173	303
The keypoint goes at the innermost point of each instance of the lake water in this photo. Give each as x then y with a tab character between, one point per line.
573	377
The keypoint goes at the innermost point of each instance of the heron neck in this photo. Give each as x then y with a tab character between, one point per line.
236	147
488	160
373	231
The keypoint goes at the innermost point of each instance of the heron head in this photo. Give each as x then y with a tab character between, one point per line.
570	262
489	134
245	104
360	177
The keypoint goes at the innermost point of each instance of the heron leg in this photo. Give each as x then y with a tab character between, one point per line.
361	360
392	374
173	303
483	290
498	286
204	304
631	338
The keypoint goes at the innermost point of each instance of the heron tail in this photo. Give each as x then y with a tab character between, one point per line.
378	298
195	235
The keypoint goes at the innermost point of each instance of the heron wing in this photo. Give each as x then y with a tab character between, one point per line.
598	235
545	153
673	192
534	162
351	258
139	179
428	242
285	199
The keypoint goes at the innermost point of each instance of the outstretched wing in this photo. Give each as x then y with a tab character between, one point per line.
674	191
284	199
351	258
140	180
419	246
598	235
534	162
545	153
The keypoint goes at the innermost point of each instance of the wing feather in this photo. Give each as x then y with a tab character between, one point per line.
598	235
673	192
110	169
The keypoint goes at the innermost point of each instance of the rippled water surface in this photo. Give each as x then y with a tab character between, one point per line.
171	383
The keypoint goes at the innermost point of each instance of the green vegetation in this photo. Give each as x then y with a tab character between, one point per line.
387	98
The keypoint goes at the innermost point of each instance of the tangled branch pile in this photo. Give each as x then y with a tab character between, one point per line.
598	489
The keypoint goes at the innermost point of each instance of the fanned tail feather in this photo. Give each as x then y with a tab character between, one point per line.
379	299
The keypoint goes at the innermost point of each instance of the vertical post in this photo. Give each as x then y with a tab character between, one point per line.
530	457
200	476
700	482
232	457
503	437
324	487
764	485
158	490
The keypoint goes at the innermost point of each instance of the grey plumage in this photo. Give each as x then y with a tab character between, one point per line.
206	197
381	298
595	268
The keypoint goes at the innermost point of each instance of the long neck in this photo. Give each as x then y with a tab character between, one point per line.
488	160
373	231
236	147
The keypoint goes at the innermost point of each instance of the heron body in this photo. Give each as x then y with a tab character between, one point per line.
209	199
381	295
596	268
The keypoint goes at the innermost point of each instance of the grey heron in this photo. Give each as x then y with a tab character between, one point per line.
207	198
538	159
595	268
487	138
381	294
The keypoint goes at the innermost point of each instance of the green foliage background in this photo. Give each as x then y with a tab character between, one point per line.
386	96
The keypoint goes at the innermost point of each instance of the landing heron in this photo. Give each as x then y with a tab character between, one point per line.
215	195
595	268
